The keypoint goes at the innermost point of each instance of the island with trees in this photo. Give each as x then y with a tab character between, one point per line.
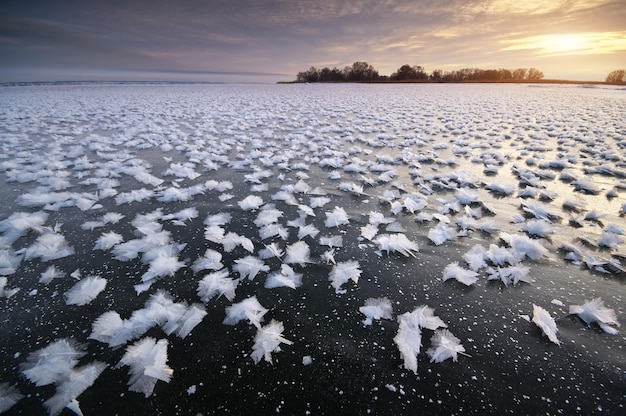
363	72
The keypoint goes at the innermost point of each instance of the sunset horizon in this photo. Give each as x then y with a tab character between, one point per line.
210	41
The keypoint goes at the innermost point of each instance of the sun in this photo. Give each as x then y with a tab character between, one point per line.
564	43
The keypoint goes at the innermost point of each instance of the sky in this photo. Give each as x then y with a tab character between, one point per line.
273	40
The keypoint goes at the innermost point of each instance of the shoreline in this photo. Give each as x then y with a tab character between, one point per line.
142	82
542	81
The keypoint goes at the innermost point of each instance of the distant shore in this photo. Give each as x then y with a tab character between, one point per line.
108	82
539	81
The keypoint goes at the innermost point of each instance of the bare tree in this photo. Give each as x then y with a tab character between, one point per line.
361	71
619	75
437	75
534	74
311	75
519	73
408	72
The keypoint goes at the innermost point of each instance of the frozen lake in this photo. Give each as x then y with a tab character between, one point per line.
216	249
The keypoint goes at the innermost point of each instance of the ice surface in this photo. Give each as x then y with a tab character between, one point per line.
545	321
538	228
507	182
20	223
476	257
271	250
336	218
409	343
318	201
106	326
49	246
159	310
147	359
56	364
442	233
267	216
52	363
214	233
250	203
85	290
376	308
610	240
409	336
232	240
369	231
9	395
298	253
308	230
595	311
510	274
286	277
184	324
343	272
397	243
332	241
108	240
52	272
249	267
217	284
75	383
212	260
267	340
523	246
454	271
9	261
221	218
162	261
249	309
444	346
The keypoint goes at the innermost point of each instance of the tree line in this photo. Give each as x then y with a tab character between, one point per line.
619	75
364	72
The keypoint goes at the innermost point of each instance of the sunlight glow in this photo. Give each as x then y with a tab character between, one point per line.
571	44
564	43
532	7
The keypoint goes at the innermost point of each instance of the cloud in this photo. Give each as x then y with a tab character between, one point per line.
35	42
530	7
278	36
599	43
